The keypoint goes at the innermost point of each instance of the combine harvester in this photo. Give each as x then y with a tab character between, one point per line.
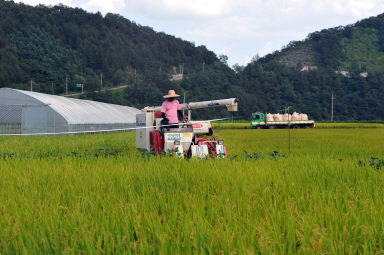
186	140
266	120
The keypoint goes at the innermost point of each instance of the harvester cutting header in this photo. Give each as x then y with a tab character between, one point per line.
184	138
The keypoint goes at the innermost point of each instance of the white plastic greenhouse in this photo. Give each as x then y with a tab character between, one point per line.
29	112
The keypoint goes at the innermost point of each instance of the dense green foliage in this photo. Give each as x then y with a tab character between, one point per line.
356	97
111	44
49	44
96	194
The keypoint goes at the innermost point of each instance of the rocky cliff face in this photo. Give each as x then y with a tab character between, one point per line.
300	57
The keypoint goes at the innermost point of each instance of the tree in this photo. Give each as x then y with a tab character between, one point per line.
223	59
238	68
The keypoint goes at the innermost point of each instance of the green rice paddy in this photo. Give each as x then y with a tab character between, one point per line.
96	194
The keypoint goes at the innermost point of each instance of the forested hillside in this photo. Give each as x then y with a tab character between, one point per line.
47	43
50	45
346	61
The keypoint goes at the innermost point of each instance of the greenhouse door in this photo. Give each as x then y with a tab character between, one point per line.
35	119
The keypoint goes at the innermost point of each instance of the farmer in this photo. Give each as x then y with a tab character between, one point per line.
170	109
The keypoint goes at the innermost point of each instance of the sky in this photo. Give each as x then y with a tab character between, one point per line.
239	29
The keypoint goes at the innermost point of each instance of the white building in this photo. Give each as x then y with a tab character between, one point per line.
309	68
364	74
31	112
176	77
344	73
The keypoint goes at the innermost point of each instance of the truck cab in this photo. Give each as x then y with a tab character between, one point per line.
257	120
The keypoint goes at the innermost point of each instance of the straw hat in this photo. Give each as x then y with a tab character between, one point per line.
171	93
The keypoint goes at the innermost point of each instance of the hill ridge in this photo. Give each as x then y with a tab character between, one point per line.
52	45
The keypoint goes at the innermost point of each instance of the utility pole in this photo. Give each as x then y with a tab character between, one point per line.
66	85
101	80
135	75
289	127
31	86
332	99
52	88
184	103
203	67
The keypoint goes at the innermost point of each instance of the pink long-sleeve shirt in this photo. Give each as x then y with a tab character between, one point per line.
170	109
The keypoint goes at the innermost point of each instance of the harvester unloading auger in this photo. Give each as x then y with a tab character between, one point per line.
185	140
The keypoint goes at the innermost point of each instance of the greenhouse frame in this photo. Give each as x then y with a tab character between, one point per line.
27	112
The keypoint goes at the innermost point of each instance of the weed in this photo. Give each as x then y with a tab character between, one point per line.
276	154
376	163
254	155
373	162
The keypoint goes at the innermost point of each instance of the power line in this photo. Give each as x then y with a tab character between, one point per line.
96	131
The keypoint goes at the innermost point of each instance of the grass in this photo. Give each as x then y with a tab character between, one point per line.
97	194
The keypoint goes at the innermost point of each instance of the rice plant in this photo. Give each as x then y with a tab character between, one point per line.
97	194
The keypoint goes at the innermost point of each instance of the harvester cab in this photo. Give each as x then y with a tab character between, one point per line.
185	139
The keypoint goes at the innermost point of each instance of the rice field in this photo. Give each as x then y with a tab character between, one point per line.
97	194
246	125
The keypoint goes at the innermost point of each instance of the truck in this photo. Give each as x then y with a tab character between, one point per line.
261	120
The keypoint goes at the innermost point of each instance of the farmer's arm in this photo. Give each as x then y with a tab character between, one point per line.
180	114
179	111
